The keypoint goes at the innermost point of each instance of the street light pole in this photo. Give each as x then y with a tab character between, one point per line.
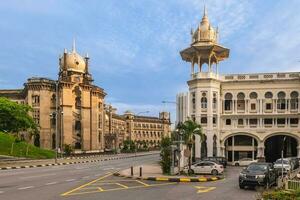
56	121
282	157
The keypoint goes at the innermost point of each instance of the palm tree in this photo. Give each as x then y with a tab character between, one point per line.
189	129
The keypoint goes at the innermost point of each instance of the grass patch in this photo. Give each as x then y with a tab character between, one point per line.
20	148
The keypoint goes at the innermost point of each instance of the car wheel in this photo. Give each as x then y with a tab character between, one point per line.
242	186
237	164
214	172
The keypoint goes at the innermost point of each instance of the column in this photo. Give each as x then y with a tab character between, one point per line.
199	63
253	148
260	150
209	64
232	150
192	67
298	151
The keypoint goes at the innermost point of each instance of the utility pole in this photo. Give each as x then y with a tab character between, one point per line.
56	121
282	157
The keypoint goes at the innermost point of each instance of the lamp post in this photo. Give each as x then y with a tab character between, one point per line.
282	157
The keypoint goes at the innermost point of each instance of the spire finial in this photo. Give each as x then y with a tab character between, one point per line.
74	46
205	11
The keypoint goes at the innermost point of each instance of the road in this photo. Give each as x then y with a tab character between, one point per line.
94	181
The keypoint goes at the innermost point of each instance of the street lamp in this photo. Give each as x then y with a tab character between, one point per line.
282	157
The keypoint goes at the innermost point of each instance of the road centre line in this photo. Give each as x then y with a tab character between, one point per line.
29	177
51	183
25	188
69	180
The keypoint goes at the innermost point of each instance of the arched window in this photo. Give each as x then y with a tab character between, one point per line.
203	101
294	100
281	105
268	100
77	93
268	95
35	100
53	100
253	95
241	101
228	101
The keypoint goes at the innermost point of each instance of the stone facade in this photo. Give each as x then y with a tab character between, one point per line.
78	108
242	115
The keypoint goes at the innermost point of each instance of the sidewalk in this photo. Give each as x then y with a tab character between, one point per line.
67	161
153	172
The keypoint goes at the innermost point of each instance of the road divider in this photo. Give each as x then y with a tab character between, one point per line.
77	162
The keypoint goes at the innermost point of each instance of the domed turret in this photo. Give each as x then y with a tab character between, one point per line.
205	32
72	61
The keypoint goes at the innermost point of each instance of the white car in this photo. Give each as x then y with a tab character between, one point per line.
287	166
207	167
244	162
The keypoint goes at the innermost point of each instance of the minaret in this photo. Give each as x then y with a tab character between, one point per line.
204	47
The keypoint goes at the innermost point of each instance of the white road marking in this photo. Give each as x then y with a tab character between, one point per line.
51	183
25	188
69	180
85	177
28	177
105	169
1	192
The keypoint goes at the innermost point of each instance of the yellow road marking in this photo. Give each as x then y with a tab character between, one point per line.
202	179
145	184
114	189
214	178
89	183
161	179
202	189
100	189
124	186
185	180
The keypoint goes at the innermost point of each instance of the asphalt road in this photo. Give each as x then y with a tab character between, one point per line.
94	181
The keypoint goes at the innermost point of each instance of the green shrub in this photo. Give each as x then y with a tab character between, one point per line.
68	149
165	155
281	195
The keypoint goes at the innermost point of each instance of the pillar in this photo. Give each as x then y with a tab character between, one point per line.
199	63
192	67
232	149
298	151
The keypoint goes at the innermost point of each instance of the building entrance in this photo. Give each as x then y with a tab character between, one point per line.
275	144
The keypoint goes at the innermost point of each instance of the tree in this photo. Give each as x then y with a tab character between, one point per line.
189	129
165	155
15	117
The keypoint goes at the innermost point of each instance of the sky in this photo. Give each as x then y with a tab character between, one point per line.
134	45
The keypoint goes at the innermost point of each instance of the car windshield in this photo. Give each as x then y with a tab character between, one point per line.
257	167
280	162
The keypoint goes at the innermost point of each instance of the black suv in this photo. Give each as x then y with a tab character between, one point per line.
258	174
218	160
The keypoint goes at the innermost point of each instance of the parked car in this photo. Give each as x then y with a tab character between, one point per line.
258	174
220	160
295	162
244	162
285	163
206	167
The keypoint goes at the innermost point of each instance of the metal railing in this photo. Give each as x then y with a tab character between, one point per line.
292	185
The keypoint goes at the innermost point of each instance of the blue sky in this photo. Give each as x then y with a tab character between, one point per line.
134	44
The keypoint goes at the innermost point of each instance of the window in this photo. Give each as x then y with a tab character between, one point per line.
214	120
268	106
240	122
241	101
268	95
203	101
36	116
281	101
294	121
228	122
253	121
194	100
253	106
228	101
268	121
35	100
203	120
281	121
294	100
253	95
215	101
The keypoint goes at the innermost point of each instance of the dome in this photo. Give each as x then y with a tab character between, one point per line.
205	32
72	61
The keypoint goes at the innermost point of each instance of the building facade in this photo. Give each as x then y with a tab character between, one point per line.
242	115
74	108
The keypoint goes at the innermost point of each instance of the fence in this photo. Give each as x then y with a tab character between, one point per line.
292	185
